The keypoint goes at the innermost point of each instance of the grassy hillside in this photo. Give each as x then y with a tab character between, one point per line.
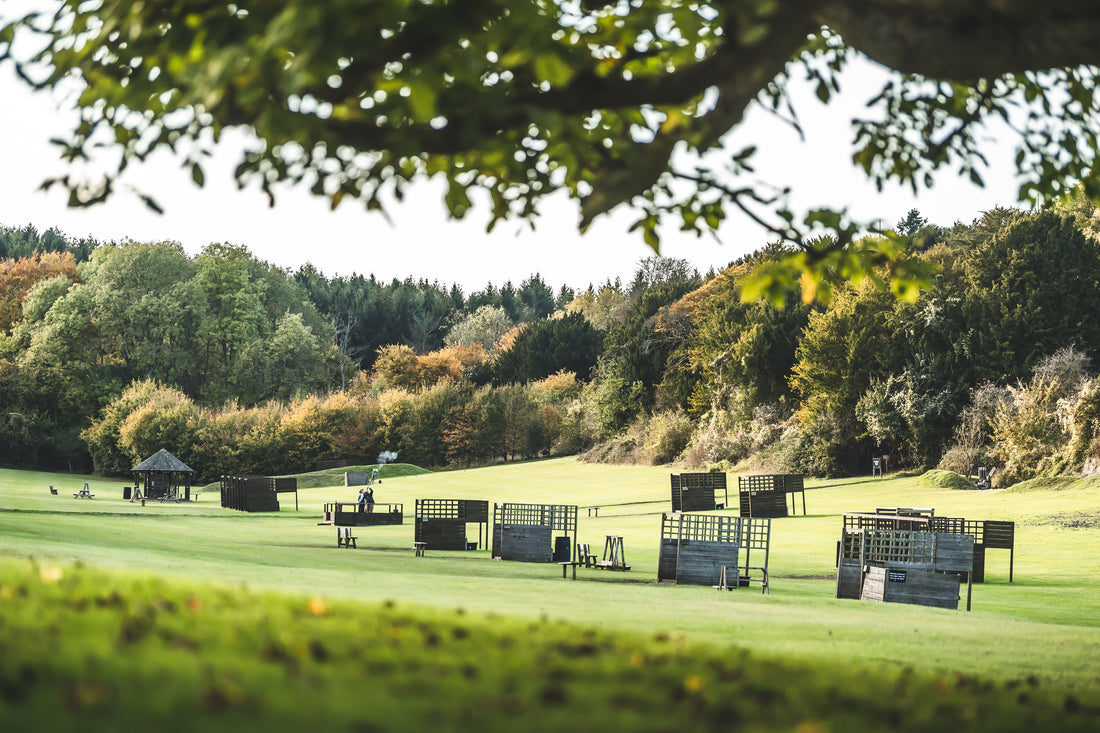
104	601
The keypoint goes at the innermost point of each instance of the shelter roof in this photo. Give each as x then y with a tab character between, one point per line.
162	461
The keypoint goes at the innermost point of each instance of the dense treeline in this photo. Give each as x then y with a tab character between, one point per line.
235	365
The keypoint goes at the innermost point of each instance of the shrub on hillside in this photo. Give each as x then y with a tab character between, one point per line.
359	440
627	448
667	434
716	440
1032	426
972	444
235	441
824	445
725	439
1084	429
578	430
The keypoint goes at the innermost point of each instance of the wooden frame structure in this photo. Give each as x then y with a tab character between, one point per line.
251	493
354	514
905	511
442	523
700	549
699	492
988	534
765	495
534	532
899	558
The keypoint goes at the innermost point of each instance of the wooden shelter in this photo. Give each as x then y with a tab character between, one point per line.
534	532
162	475
765	495
442	524
702	549
900	558
987	533
699	492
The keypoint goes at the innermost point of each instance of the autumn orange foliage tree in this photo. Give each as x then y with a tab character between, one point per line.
17	277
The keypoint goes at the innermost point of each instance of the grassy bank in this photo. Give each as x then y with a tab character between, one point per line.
1030	648
86	650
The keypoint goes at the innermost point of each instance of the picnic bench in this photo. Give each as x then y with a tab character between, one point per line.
419	548
344	537
84	493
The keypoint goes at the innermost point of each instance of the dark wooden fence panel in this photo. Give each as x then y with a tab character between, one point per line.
698	492
526	543
900	584
511	519
249	493
441	534
763	503
700	563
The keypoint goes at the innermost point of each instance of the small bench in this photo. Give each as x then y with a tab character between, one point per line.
53	491
569	563
83	495
344	537
593	509
419	548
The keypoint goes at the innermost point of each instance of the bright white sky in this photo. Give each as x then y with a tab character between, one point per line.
419	241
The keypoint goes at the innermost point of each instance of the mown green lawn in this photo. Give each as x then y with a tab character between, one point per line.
1033	643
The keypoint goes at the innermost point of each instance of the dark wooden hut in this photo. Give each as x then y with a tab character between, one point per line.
162	476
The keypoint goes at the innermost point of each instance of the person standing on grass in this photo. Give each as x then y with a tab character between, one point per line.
368	493
361	501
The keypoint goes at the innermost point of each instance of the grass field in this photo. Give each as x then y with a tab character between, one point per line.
556	653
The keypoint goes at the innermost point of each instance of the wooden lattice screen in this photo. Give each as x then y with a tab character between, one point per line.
886	522
765	495
520	529
986	533
442	523
882	546
698	492
919	550
715	540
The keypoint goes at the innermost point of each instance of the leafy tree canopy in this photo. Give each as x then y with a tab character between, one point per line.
542	348
607	101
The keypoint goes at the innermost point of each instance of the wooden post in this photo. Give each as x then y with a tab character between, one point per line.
743	541
723	580
969	586
862	559
679	542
